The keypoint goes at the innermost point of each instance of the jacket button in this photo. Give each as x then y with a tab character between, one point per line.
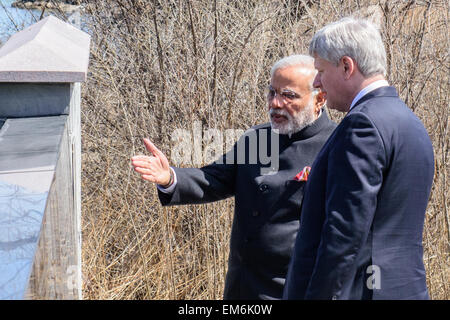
263	187
255	213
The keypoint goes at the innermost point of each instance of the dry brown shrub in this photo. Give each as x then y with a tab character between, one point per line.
158	66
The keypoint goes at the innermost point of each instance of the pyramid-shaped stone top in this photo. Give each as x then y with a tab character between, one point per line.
50	50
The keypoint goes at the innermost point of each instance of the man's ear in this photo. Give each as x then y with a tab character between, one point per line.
348	66
319	101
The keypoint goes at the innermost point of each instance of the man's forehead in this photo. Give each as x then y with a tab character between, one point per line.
295	71
320	62
316	61
295	75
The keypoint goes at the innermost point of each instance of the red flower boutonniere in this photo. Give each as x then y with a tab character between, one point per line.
303	175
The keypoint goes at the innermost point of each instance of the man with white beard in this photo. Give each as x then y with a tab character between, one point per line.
289	115
267	202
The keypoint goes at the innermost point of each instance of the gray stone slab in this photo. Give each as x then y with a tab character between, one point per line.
30	143
48	51
21	161
37	179
22	145
33	100
40	126
29	150
21	214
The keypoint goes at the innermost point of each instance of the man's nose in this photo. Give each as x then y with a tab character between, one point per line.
277	101
316	82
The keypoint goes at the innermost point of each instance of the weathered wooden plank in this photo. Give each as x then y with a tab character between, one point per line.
53	275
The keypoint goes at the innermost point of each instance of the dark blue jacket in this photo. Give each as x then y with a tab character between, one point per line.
363	210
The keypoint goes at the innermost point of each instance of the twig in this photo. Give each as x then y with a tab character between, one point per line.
214	91
237	74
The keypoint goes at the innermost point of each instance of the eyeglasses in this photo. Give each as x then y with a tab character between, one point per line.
286	94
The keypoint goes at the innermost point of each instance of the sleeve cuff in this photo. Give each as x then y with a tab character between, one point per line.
172	186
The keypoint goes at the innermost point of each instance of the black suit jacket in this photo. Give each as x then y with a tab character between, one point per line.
267	206
364	206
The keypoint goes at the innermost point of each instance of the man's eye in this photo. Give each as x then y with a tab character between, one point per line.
289	95
271	93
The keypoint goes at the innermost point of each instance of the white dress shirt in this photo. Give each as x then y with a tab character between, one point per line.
171	187
374	85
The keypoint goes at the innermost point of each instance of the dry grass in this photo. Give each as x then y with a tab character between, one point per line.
161	65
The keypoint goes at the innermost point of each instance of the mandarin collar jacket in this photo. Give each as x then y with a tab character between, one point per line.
267	206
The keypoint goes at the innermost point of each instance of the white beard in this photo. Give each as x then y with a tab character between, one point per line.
294	123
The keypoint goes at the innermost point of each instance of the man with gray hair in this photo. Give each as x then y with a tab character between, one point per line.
267	197
363	209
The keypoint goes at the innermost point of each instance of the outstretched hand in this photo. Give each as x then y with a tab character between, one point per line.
154	168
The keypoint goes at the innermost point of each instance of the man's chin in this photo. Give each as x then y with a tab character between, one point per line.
289	127
284	128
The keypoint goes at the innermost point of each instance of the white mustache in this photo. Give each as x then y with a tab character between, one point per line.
279	112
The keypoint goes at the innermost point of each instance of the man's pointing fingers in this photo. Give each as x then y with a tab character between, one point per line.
152	148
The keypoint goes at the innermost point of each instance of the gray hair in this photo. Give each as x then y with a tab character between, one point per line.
299	60
358	39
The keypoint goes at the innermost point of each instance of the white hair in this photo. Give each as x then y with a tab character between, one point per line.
358	39
304	62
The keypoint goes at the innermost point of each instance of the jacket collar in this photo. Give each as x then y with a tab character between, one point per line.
311	130
387	91
373	86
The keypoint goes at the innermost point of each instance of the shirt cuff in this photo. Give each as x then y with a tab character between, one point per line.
172	186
